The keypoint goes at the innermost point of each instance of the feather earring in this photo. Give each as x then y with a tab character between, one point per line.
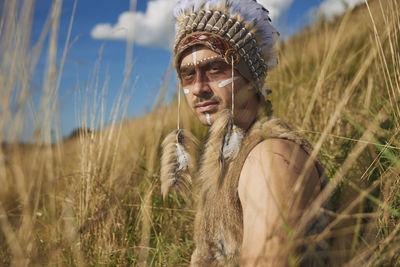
178	160
234	136
232	141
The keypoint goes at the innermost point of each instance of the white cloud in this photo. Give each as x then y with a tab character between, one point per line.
332	8
152	28
155	26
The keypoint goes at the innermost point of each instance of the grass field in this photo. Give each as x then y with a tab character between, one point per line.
94	198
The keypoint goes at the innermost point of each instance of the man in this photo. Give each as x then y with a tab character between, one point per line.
254	187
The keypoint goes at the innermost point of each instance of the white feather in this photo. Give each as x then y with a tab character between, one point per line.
232	147
199	4
182	7
216	3
183	157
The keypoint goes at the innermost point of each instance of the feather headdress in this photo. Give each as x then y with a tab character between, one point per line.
244	24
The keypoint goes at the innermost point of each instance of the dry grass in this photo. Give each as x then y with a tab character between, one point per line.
95	199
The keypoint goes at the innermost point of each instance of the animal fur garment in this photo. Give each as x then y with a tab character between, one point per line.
219	220
213	158
178	162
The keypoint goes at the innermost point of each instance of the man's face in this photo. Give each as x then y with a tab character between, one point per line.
207	83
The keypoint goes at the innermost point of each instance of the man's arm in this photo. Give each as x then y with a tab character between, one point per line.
270	209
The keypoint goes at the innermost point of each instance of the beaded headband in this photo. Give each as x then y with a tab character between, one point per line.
233	28
214	42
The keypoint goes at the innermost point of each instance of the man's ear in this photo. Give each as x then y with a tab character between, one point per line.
251	87
260	97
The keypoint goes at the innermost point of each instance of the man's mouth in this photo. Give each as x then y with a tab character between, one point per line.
207	106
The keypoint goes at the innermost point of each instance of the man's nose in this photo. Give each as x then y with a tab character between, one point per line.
201	85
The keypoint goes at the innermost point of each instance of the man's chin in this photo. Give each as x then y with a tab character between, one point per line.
208	118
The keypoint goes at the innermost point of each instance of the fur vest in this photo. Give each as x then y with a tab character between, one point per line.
219	220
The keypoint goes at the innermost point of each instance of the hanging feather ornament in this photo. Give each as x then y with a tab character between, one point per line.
232	141
234	135
178	162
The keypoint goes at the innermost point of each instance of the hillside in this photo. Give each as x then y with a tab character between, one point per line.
94	199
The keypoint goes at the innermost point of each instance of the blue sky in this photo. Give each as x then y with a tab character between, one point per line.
150	61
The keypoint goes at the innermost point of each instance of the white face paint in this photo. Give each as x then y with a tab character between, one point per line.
226	82
186	91
194	56
208	118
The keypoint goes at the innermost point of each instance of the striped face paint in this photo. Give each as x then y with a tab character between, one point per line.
186	91
194	56
208	118
226	82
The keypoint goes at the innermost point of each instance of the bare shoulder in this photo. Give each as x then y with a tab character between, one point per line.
270	173
287	150
276	153
275	163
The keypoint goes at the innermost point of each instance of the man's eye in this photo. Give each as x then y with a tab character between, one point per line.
187	76
214	69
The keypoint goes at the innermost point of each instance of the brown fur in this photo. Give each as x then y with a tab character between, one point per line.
219	220
173	179
213	150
